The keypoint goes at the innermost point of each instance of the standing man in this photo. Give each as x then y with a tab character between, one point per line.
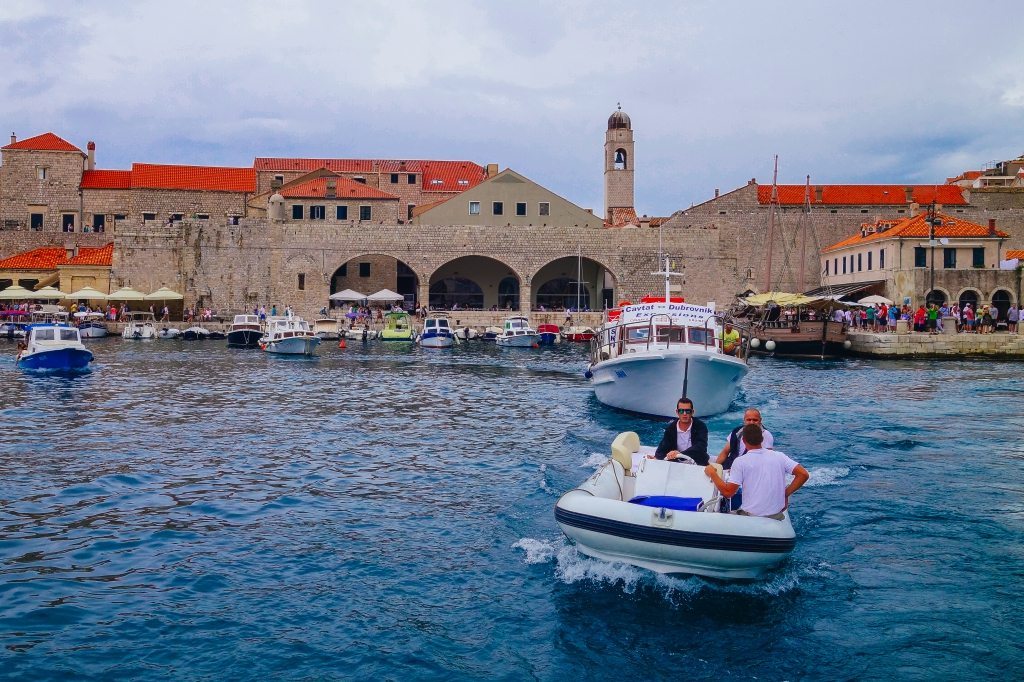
762	473
734	446
685	436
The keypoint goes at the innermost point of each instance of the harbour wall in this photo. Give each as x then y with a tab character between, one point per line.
925	345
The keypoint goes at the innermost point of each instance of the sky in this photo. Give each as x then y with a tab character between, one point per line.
852	92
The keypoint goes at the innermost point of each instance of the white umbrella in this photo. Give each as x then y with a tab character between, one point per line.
86	294
126	294
347	295
48	294
15	293
164	294
385	295
874	300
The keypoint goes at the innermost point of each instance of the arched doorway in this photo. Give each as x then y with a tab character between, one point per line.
968	296
1001	299
474	282
563	293
573	282
371	272
453	293
936	296
508	294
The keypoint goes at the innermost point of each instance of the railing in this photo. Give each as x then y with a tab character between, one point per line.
602	345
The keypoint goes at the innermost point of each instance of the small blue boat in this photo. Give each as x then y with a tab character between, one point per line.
437	333
53	347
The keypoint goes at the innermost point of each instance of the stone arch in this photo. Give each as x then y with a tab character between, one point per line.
621	159
968	295
475	281
553	284
938	296
372	271
1002	299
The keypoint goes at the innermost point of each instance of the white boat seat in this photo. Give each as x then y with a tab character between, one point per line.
623	447
660	478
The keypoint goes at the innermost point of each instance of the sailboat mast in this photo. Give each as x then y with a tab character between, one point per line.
803	234
579	274
771	226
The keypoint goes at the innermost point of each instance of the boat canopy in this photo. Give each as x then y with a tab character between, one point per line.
781	298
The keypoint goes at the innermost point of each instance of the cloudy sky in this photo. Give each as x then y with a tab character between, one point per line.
855	92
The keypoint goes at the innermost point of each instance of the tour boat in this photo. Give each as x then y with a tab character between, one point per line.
327	328
397	327
648	355
437	332
53	347
289	336
245	331
140	325
578	334
667	517
91	325
547	334
517	333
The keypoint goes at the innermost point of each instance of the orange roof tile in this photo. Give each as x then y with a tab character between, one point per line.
864	195
49	257
966	175
345	189
305	165
916	228
47	142
451	176
622	216
433	176
103	255
1015	253
106	179
208	178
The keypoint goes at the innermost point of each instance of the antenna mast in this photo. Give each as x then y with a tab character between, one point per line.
803	235
771	226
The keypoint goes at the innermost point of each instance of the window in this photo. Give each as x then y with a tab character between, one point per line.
437	181
342	213
99	222
520	208
462	183
860	262
863	210
497	208
364	269
978	257
881	259
409	210
721	213
869	260
317	212
296	211
832	210
949	258
42	172
394	178
36	221
302	281
835	265
844	265
543	208
360	179
920	257
474	208
67	222
177	217
412	178
826	268
120	216
149	216
202	216
364	213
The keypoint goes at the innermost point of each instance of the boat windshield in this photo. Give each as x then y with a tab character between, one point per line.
69	335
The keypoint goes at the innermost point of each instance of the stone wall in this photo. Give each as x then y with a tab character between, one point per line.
22	192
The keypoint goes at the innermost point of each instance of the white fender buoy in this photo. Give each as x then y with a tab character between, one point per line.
769	345
847	344
755	343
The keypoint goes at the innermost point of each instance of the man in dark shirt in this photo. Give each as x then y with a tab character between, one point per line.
687	436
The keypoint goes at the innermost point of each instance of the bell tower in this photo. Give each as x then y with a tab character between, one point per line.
618	163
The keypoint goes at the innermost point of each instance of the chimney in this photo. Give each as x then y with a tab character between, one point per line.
991	227
276	182
908	194
716	192
915	208
492	170
90	163
70	250
332	189
818	193
14	138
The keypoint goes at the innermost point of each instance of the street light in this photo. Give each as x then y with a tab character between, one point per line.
931	220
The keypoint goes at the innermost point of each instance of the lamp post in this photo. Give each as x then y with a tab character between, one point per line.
931	242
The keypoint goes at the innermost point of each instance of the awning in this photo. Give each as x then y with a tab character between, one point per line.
781	298
48	280
840	290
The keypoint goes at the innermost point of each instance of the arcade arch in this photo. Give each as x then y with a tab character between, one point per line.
474	282
573	282
968	296
371	272
1001	299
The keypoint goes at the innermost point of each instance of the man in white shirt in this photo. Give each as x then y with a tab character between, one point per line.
734	446
762	473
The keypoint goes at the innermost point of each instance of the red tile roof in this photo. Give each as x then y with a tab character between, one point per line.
1015	253
619	217
966	175
106	179
306	165
916	228
208	178
49	257
433	176
47	142
451	176
864	195
346	189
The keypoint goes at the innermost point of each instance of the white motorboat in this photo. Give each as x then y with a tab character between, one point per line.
646	356
491	334
437	332
327	328
517	333
289	336
91	325
467	334
196	333
245	331
363	333
168	333
53	346
140	325
667	517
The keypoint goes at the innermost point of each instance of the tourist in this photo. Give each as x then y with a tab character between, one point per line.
762	473
994	321
686	436
954	312
273	310
730	339
734	446
894	314
969	318
869	318
920	319
1012	315
932	317
165	314
986	320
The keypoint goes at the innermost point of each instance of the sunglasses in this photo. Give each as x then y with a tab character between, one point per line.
685	410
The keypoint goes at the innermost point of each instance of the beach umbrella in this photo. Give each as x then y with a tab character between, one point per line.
874	300
15	293
385	295
164	294
86	294
347	295
48	294
126	294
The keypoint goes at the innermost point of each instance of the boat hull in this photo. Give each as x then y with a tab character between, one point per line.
392	336
57	359
92	330
806	339
138	333
428	340
547	338
651	382
520	341
295	345
244	338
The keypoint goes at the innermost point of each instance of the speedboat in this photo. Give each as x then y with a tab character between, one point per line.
245	331
491	334
547	334
578	334
363	333
650	354
168	333
667	517
467	334
196	333
517	333
289	336
327	328
54	347
437	332
91	325
12	324
141	325
397	327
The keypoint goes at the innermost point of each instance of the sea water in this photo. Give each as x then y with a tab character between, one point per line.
189	511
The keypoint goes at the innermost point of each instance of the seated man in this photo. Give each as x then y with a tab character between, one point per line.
762	473
685	436
734	446
730	339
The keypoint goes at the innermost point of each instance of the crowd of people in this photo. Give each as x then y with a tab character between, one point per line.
969	318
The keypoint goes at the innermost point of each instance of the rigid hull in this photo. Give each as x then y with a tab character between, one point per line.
57	359
806	339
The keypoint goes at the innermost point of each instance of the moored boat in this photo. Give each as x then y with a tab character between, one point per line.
140	325
667	517
327	328
795	326
245	331
397	327
289	336
91	325
437	332
491	334
577	334
12	324
53	347
195	333
517	333
547	334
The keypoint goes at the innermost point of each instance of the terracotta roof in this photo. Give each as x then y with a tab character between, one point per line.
306	165
433	176
106	179
451	176
208	178
864	195
1015	253
619	217
346	189
47	142
966	175
49	257
916	228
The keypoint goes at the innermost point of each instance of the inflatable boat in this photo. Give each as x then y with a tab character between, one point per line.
667	517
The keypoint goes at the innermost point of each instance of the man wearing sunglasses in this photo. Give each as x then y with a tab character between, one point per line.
686	436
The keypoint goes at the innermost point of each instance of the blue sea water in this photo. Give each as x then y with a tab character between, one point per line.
188	511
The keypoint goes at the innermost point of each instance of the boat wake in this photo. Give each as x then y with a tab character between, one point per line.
827	476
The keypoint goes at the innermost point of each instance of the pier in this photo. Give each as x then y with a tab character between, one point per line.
948	345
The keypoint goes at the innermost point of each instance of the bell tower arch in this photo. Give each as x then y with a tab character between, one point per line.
618	163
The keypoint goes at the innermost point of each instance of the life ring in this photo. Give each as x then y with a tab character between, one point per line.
263	346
